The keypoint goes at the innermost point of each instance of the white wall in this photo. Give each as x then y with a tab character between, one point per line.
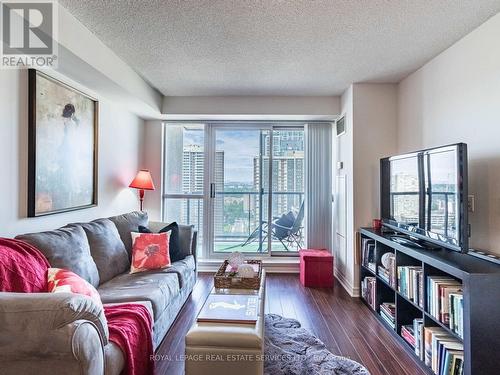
375	136
120	139
86	59
343	222
456	98
152	159
251	107
371	133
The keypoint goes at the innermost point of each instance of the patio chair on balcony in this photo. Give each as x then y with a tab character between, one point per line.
288	229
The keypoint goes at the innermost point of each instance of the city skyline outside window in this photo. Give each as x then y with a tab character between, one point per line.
239	208
440	197
238	198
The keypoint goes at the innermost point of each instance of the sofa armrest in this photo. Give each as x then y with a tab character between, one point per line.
64	329
75	348
37	314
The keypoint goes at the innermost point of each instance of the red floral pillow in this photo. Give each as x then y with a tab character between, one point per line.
64	281
149	251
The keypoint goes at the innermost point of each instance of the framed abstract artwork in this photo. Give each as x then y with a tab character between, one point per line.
62	147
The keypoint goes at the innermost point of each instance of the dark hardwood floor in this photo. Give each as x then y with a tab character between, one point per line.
344	324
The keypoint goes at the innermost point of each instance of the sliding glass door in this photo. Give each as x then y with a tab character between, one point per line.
287	178
241	186
239	196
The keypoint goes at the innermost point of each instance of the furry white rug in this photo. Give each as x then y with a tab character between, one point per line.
293	350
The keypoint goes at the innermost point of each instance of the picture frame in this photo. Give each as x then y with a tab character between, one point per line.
63	129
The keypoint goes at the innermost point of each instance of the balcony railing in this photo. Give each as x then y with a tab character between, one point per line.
238	214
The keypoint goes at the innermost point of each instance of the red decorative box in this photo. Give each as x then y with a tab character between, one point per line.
316	268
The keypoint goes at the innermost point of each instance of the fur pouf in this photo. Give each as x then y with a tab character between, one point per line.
292	350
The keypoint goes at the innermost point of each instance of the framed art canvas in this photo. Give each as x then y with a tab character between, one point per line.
62	147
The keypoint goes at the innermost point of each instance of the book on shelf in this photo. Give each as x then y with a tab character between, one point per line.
408	334
368	290
388	320
410	280
418	329
443	353
230	308
421	287
368	254
445	305
457	363
383	273
388	313
456	306
428	333
445	301
389	308
448	353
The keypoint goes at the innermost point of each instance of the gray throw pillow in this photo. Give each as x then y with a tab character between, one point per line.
106	248
66	248
185	240
128	223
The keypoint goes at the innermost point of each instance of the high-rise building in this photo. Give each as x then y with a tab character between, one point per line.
193	161
284	142
192	182
287	172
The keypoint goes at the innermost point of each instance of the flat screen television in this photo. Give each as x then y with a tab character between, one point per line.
424	195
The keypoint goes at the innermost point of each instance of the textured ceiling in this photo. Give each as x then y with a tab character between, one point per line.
272	47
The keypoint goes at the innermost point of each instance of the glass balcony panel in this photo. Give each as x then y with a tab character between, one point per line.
240	227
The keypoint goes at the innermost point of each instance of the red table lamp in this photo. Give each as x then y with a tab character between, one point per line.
142	181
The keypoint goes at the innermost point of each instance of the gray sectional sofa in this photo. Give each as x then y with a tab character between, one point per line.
55	333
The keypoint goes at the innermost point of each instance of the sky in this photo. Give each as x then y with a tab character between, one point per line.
239	146
443	167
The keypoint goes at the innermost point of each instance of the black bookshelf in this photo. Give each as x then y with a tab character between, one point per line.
481	298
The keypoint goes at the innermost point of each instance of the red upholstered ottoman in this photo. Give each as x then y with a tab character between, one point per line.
316	268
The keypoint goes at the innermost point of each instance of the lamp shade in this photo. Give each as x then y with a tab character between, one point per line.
143	181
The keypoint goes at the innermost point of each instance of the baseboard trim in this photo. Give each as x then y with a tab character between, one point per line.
349	288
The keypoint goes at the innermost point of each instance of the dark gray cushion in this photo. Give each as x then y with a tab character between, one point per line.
106	248
185	239
174	247
285	221
66	248
127	223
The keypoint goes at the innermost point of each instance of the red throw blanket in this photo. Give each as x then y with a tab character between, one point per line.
23	268
130	328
